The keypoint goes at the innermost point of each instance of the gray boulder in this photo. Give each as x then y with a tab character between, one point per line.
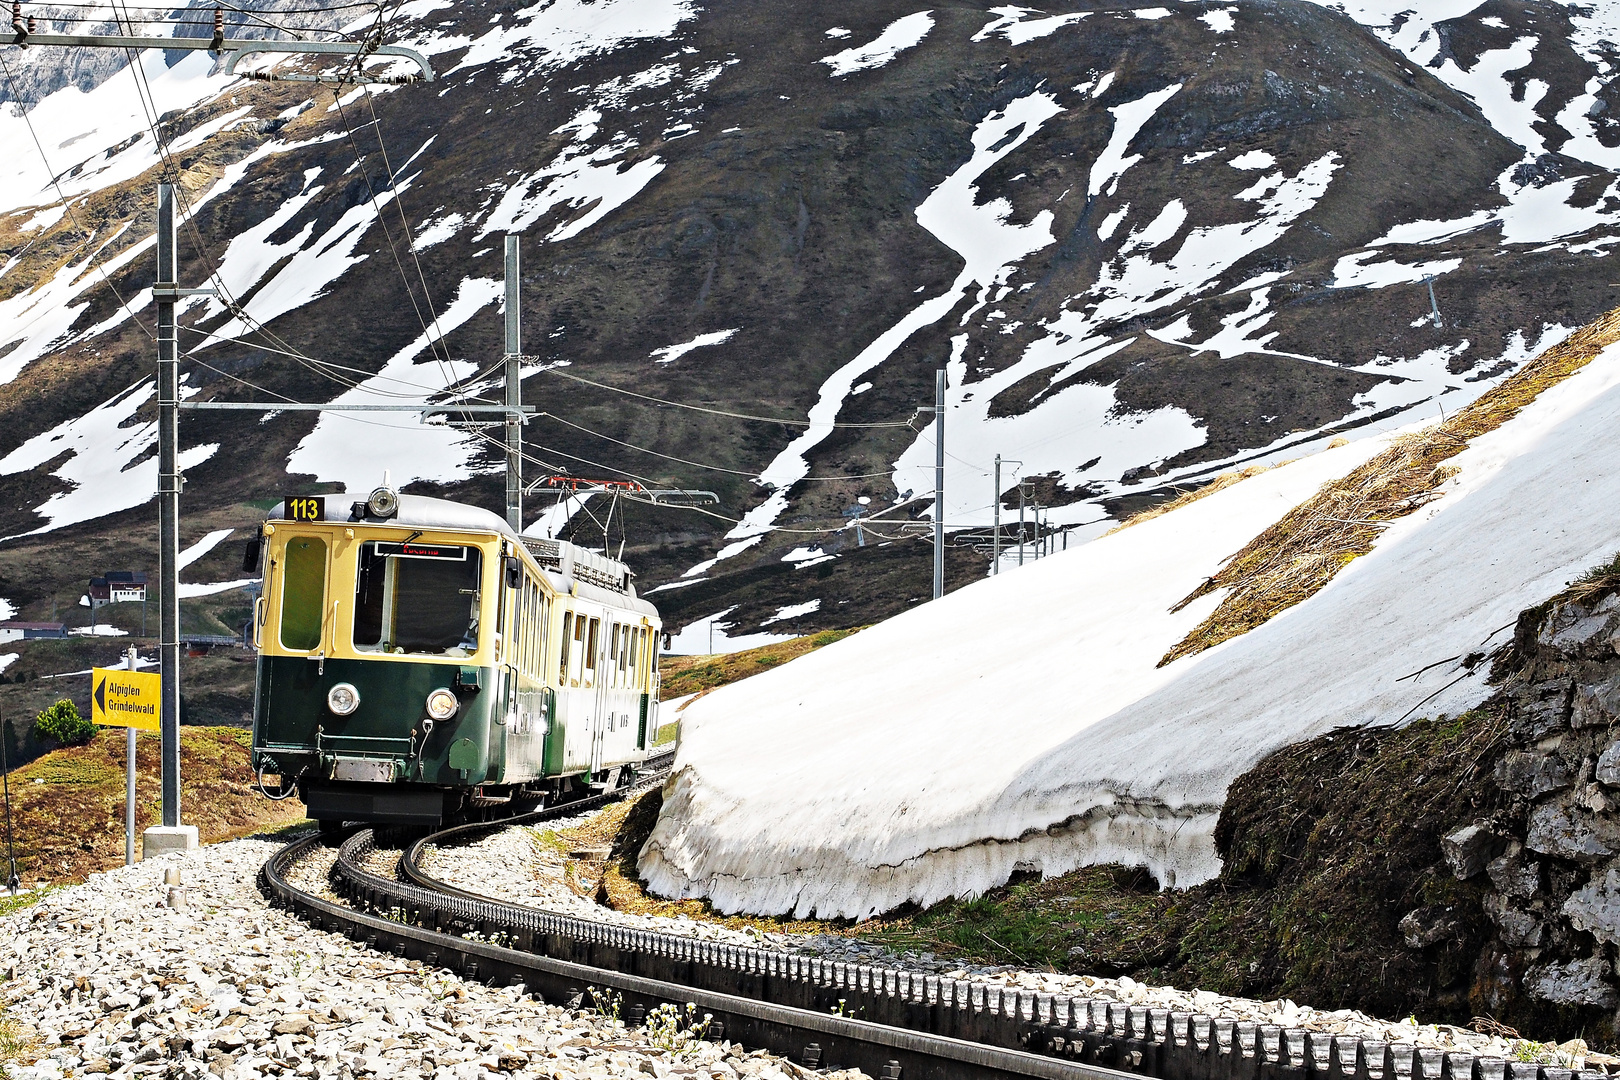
1596	908
1470	849
1568	834
1576	982
1531	773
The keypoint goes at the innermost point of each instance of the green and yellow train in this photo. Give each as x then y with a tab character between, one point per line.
419	661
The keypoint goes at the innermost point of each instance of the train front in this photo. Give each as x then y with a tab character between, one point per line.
376	657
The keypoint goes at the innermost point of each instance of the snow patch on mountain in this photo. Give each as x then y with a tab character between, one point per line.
1015	24
904	33
554	33
670	353
109	463
354	449
988	243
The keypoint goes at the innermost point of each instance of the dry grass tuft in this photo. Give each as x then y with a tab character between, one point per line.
18	1045
1302	552
1225	480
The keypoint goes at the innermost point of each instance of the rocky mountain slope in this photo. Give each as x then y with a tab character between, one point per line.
1150	242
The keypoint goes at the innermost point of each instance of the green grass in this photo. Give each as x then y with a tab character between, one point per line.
78	770
684	675
10	904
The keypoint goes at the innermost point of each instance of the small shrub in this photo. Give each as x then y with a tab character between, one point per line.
63	723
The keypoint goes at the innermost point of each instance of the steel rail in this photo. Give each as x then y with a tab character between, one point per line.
888	1022
815	1038
451	934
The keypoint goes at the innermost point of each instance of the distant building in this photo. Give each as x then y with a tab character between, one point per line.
13	630
118	587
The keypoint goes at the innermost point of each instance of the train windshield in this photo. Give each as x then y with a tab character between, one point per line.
417	598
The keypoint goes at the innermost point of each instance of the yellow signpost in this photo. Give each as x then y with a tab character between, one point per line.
126	699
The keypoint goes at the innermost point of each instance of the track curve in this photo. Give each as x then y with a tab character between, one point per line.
889	1023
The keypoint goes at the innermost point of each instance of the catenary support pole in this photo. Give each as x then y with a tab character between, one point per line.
129	779
168	387
995	537
939	481
1020	523
514	389
13	882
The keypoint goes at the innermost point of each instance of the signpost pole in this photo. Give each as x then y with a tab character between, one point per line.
129	779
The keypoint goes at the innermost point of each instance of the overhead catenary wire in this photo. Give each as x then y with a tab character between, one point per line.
699	464
66	203
556	370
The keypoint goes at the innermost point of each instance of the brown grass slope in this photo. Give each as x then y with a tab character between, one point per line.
1294	558
68	807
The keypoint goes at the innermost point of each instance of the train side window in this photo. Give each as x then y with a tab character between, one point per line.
303	593
592	642
530	630
542	607
514	629
543	637
635	656
567	641
619	653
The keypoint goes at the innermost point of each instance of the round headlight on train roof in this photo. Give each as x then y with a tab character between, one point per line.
343	699
383	502
442	704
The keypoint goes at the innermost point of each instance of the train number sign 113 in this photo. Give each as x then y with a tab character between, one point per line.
305	507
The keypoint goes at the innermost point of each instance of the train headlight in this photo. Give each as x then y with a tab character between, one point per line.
442	704
343	699
383	502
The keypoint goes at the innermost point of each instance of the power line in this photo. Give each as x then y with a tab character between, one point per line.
717	412
66	205
699	464
170	10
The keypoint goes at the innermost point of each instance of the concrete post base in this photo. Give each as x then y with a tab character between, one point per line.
162	839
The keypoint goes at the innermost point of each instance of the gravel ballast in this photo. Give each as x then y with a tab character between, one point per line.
111	980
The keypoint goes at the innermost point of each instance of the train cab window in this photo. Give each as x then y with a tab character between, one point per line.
417	598
303	593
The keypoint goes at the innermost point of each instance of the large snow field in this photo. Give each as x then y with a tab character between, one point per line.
1021	721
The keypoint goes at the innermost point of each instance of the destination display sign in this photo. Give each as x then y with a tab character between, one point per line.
414	550
123	698
305	507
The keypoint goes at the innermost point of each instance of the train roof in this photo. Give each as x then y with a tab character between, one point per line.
416	511
426	512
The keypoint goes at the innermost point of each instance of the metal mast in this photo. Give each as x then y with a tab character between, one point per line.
995	539
165	292
514	390
939	481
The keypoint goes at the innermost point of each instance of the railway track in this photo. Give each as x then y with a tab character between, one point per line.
891	1024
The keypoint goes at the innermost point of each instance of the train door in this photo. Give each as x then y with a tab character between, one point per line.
602	675
298	573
